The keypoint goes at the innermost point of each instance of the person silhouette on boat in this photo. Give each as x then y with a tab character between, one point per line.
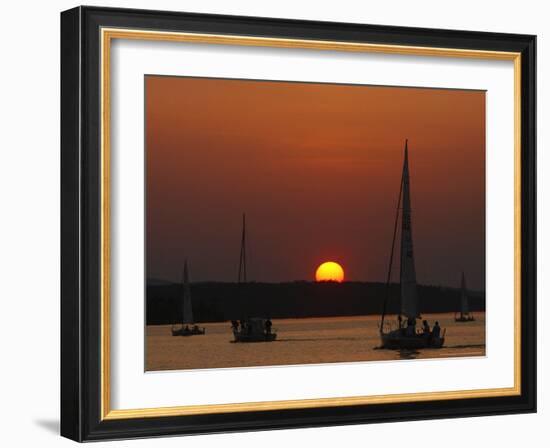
268	325
425	327
411	326
436	331
235	325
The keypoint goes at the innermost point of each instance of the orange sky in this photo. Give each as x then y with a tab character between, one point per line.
316	168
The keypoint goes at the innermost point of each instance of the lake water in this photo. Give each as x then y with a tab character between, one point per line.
303	341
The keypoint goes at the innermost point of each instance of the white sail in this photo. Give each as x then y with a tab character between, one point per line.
409	299
187	307
464	311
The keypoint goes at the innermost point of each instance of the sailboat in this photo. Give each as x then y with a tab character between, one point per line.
465	315
405	336
254	329
187	317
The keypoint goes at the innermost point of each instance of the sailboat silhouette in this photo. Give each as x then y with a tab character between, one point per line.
406	336
253	329
187	311
465	314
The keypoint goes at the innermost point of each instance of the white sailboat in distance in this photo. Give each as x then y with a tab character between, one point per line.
187	314
405	336
465	315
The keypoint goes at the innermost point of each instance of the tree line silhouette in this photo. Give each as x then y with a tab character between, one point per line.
218	302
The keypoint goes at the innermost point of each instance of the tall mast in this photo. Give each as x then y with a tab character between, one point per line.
463	297
187	306
242	261
409	299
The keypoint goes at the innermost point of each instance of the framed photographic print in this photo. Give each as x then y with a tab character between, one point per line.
273	224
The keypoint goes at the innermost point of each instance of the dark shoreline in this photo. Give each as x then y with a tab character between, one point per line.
218	301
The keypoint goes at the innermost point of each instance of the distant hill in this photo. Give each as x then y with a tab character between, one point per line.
217	302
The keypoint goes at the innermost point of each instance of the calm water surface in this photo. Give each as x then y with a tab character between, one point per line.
303	341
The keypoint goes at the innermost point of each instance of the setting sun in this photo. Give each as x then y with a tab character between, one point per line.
329	272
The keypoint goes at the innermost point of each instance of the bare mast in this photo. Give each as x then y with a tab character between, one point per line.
242	261
464	309
187	306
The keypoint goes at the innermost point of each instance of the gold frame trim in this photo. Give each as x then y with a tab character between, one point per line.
107	35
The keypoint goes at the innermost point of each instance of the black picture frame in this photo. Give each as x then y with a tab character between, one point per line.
81	226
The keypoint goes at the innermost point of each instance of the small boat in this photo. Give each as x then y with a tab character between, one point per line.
465	314
255	329
187	327
403	334
188	331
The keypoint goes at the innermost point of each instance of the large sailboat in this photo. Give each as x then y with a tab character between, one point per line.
404	335
465	314
251	329
187	327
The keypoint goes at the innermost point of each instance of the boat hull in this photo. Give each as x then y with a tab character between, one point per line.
264	337
396	340
464	319
188	332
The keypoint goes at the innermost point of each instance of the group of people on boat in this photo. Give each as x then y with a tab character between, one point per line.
244	326
254	329
410	328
